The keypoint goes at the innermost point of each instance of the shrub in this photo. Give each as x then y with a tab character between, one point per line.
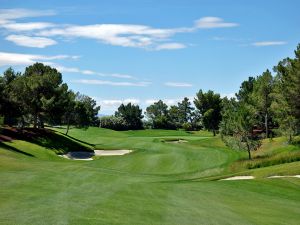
187	126
113	122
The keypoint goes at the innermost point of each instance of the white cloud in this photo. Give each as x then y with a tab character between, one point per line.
11	59
170	46
112	83
131	100
126	35
151	101
213	22
12	26
268	43
109	105
35	42
168	101
172	101
229	95
131	35
118	75
11	14
176	84
64	69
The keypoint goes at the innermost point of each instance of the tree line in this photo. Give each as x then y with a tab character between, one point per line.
264	106
159	115
39	96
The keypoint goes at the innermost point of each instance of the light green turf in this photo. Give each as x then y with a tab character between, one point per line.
159	183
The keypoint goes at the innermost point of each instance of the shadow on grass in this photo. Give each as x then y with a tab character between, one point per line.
62	132
48	139
10	148
83	142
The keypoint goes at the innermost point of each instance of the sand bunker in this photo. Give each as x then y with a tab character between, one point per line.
239	178
111	152
176	141
295	176
79	155
89	155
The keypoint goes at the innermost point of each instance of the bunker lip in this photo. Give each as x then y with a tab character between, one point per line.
176	141
252	177
239	178
111	152
284	176
89	155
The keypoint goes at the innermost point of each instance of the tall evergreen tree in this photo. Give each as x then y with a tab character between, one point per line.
37	90
185	111
209	106
9	106
158	115
238	121
262	95
246	90
132	114
286	102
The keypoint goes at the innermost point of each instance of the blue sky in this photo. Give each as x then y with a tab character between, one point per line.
142	51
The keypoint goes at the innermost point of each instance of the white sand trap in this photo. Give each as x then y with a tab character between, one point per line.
295	176
239	178
177	142
111	152
89	155
79	155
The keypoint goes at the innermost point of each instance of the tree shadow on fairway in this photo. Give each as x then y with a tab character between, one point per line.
78	140
75	139
13	149
46	138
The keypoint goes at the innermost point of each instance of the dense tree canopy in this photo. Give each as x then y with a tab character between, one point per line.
264	101
132	115
246	89
39	95
158	114
209	106
237	125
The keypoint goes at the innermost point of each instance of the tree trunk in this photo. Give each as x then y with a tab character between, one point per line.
68	126
248	150
266	125
214	132
41	122
35	119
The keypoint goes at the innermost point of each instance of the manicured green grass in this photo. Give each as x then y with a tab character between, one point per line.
159	183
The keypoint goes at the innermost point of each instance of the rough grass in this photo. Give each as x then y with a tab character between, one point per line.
159	183
272	152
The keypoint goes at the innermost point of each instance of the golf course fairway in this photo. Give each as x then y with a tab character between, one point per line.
159	182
